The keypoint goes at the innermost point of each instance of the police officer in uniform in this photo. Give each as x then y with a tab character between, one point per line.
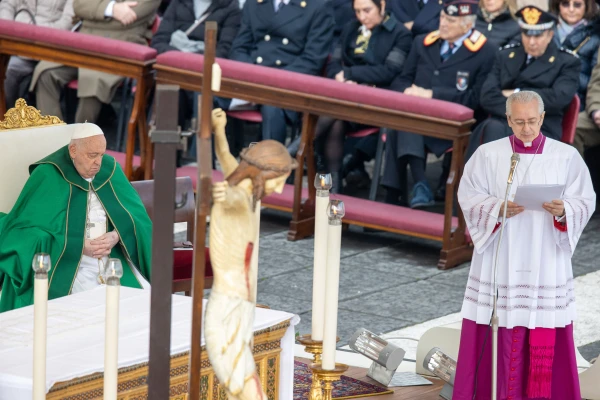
537	65
293	35
419	16
448	64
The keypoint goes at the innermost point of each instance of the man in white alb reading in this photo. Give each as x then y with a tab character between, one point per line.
536	298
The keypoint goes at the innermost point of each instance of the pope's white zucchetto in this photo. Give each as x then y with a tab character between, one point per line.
86	130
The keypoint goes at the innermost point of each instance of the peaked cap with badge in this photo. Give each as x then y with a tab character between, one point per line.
460	8
534	21
554	76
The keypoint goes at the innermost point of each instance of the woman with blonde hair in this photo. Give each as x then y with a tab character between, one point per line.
497	23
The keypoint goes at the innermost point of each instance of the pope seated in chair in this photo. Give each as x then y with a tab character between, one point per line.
79	207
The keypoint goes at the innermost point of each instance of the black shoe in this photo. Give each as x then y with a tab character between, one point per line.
440	193
294	147
358	179
337	185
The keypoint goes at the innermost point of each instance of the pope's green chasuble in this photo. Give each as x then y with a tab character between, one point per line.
50	216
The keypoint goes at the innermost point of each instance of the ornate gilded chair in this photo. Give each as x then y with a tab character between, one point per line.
26	137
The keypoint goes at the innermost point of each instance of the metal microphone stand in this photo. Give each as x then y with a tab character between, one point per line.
514	162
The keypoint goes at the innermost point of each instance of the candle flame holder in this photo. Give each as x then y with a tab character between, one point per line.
327	377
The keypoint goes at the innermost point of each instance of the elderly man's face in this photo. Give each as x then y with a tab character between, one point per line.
525	120
536	46
452	28
87	155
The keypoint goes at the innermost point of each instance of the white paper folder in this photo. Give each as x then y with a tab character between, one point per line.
532	197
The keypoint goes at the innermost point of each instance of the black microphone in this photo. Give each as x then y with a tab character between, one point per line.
514	161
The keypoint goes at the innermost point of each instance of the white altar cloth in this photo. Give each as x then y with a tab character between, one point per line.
76	339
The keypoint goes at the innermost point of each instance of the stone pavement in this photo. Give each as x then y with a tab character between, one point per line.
387	281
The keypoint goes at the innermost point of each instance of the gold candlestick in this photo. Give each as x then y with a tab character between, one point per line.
314	347
328	377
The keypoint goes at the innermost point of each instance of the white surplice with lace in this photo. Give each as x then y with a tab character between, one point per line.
535	276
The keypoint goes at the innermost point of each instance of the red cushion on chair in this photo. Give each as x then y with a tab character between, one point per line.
183	262
363	132
76	40
323	87
248	115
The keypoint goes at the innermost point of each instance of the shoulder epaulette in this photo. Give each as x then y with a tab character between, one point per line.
431	38
475	42
571	52
510	46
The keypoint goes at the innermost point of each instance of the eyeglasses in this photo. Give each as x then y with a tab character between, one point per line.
521	124
575	4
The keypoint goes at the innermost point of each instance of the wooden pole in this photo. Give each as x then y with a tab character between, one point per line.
203	188
166	137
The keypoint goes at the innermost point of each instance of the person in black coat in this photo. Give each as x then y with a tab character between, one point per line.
419	16
495	20
372	52
537	65
180	17
343	13
449	64
578	30
293	35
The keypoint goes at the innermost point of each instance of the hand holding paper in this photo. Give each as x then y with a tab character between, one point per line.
533	197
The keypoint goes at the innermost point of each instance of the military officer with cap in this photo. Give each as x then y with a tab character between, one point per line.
293	35
448	64
537	65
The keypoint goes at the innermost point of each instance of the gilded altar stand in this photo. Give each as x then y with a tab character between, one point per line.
75	349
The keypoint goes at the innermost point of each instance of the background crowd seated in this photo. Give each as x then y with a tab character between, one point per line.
363	42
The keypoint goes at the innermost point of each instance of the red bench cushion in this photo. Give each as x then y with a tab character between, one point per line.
358	211
75	40
314	85
120	158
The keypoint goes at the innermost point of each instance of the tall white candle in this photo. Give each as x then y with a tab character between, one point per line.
254	259
322	184
112	273
334	244
41	266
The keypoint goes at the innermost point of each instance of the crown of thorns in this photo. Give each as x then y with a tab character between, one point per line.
266	167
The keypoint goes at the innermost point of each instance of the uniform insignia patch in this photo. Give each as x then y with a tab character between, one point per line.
475	42
462	80
431	38
531	15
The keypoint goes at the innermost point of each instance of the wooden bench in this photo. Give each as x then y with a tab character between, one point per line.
315	96
92	52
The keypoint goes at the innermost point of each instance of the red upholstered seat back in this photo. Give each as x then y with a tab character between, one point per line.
569	122
79	41
314	85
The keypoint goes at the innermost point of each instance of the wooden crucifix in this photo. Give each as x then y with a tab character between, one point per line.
203	189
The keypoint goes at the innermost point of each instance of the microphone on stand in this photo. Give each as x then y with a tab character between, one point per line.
514	161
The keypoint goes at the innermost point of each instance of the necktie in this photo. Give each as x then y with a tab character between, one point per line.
421	4
446	55
280	5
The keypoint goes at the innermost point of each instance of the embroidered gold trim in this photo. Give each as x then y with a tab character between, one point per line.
129	261
66	236
22	116
87	207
